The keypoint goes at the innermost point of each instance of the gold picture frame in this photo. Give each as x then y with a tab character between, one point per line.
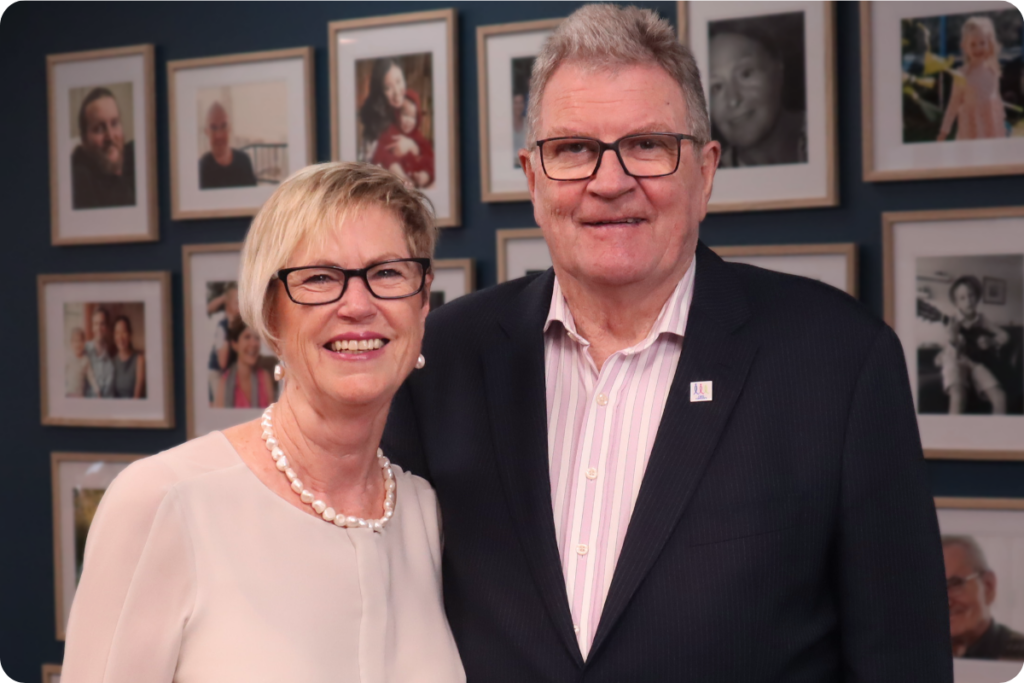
462	278
531	238
134	65
847	250
51	673
189	203
444	190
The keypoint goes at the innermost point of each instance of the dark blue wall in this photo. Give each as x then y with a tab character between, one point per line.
28	32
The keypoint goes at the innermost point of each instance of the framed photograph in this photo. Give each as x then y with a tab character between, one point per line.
229	369
240	124
79	481
394	101
833	264
102	146
452	278
770	80
51	673
983	549
504	55
941	89
521	252
964	354
105	350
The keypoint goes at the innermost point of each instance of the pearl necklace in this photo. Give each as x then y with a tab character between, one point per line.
328	513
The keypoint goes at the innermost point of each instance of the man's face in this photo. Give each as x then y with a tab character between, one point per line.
970	602
217	130
613	229
104	138
101	328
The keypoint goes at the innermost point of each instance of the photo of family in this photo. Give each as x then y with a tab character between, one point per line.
105	350
757	89
395	127
103	160
522	68
970	335
962	76
240	374
243	139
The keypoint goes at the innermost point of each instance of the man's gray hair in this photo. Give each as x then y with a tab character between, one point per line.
608	36
974	550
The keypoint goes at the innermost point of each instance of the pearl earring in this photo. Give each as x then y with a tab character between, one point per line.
420	362
279	372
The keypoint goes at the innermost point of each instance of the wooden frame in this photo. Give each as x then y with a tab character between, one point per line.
50	670
467	265
830	197
506	235
847	249
147	144
306	54
889	221
450	72
163	278
482	34
957	503
871	174
56	459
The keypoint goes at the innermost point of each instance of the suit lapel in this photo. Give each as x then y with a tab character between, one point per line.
517	407
714	350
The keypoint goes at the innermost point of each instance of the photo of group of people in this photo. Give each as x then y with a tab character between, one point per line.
240	374
396	121
103	160
244	137
962	76
105	352
970	334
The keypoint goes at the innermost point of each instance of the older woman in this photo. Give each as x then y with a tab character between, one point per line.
289	548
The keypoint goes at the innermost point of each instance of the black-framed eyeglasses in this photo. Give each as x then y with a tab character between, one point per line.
645	155
319	285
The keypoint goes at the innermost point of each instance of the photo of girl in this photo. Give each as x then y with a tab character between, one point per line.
395	126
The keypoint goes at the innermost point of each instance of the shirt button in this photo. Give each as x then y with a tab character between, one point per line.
602	400
592	473
576	628
581	549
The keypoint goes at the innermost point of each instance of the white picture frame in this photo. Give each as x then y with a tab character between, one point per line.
833	264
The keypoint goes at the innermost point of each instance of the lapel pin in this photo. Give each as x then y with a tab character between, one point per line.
700	391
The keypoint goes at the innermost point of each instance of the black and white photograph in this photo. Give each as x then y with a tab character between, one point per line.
969	353
521	252
240	124
394	95
983	553
769	78
954	294
78	483
106	351
452	278
833	264
505	57
102	151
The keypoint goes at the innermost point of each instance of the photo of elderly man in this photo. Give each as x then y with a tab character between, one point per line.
102	164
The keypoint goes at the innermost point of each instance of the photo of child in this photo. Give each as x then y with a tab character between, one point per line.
416	166
962	76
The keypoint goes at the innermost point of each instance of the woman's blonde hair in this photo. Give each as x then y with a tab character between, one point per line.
304	210
983	25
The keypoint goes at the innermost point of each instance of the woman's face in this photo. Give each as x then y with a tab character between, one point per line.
394	86
247	348
122	337
309	334
746	89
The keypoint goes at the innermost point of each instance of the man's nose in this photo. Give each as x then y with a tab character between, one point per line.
611	177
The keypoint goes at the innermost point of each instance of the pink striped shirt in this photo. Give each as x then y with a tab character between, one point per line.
601	428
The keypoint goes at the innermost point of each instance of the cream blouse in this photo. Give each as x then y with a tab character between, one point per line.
195	571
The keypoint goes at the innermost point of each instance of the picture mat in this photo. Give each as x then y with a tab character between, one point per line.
187	81
969	237
501	50
451	281
90	475
116	221
387	41
828	268
116	291
774	182
525	254
889	151
204	267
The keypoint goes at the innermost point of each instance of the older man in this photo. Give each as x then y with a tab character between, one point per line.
972	590
653	465
223	166
103	165
100	352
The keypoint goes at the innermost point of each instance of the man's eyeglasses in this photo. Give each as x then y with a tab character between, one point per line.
319	285
956	584
646	155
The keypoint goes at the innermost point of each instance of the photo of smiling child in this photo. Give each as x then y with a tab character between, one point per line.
411	158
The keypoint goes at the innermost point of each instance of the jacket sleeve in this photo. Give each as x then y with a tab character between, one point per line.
893	605
401	442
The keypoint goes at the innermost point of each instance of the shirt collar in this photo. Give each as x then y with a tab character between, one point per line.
671	320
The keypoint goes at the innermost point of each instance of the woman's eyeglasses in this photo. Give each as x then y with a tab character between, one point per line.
647	155
319	285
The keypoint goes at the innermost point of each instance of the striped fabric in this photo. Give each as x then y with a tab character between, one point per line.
601	428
